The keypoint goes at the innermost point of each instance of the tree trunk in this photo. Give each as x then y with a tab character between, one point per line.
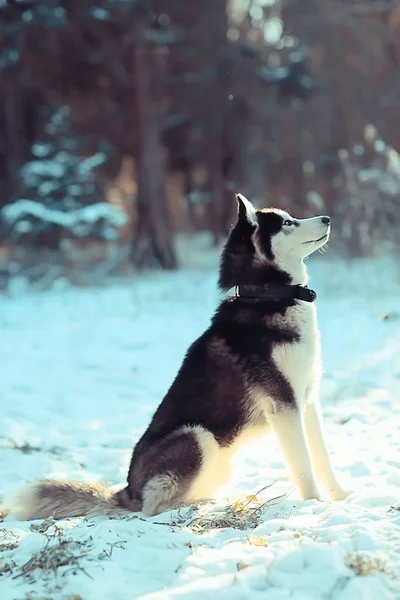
11	138
154	239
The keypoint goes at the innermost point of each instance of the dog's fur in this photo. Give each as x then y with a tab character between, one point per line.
256	367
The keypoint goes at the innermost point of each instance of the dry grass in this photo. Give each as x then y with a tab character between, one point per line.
65	553
6	567
57	552
253	540
25	448
59	556
45	525
363	565
244	513
3	514
6	543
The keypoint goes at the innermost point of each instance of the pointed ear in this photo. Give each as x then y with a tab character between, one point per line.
246	210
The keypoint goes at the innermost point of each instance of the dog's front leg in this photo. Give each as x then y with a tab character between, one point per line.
289	429
319	450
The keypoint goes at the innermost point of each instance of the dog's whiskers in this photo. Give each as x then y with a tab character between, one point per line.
323	249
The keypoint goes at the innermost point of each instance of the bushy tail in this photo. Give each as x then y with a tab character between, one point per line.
59	499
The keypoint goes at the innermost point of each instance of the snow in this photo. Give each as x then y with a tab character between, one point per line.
100	14
43	168
40	149
56	168
88	164
82	372
75	220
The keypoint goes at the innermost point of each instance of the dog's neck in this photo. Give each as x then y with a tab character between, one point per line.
283	272
296	270
260	271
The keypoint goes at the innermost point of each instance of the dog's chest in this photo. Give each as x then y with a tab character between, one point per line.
300	359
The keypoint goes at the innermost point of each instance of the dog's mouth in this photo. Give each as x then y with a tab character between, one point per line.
325	236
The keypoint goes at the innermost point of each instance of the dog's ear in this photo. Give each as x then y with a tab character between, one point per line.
246	210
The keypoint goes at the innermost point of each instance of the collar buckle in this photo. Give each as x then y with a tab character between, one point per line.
306	294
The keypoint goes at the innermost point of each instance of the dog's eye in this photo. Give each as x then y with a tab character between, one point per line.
288	222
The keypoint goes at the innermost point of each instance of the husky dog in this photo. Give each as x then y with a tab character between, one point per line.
257	367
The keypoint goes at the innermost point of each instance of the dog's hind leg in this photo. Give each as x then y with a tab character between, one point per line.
178	469
319	452
289	429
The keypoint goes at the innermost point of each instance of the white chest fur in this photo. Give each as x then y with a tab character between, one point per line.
300	361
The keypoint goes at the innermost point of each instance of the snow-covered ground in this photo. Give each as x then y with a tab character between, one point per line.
82	370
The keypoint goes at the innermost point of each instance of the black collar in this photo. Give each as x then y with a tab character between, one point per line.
277	292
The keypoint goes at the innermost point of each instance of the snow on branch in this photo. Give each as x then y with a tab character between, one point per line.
20	217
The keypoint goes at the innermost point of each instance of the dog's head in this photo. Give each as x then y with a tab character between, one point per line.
268	246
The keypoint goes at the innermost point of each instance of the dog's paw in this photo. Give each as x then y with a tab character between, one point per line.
339	493
310	493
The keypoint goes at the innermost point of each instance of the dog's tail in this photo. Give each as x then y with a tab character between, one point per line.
59	499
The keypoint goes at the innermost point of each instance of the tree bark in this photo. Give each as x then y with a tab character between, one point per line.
154	239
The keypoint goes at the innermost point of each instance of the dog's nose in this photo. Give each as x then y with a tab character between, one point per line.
325	220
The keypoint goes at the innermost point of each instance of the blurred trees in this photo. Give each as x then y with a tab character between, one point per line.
257	96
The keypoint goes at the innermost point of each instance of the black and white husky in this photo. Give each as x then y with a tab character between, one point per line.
257	367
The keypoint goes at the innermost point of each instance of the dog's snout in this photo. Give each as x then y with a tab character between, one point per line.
325	220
